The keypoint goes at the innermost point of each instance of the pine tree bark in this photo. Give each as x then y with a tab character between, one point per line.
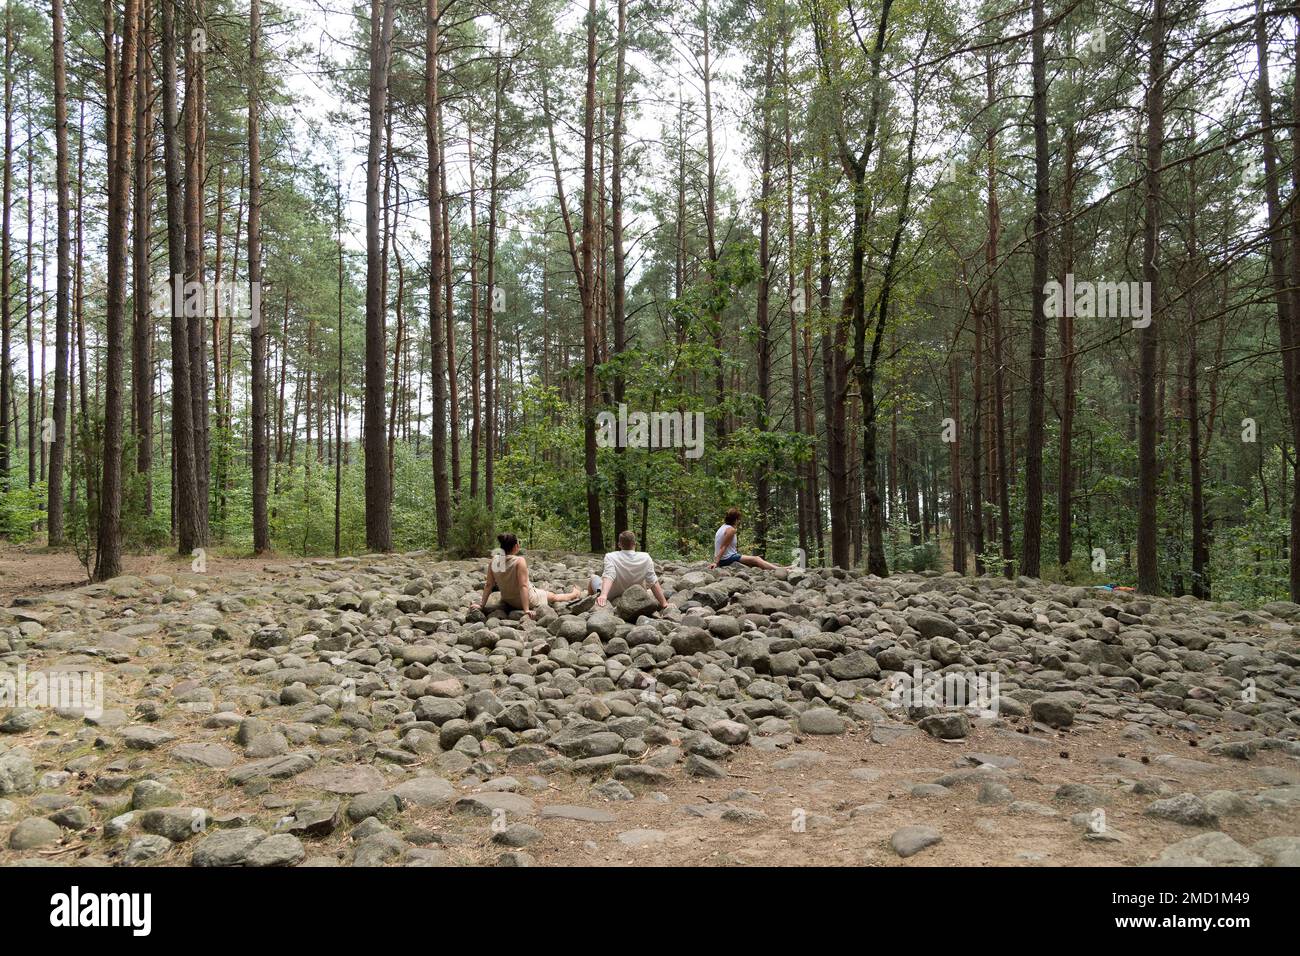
6	259
257	384
489	310
195	114
1288	301
1196	463
108	557
762	316
142	329
32	423
63	282
437	256
379	534
620	257
588	279
1148	572
1031	547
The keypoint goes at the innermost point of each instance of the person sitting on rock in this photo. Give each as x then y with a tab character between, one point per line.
725	551
507	572
624	568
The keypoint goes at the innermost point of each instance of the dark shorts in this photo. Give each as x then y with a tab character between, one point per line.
730	559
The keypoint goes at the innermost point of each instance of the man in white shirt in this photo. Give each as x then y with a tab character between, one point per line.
624	568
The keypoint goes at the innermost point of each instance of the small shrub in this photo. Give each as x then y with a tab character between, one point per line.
20	510
471	531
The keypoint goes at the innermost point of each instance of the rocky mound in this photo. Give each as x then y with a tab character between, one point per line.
335	696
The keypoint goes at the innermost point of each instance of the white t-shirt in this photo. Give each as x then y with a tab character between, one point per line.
717	543
626	568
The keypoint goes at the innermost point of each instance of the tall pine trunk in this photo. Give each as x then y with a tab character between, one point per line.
1031	548
588	279
1148	572
379	533
63	290
257	385
437	255
108	557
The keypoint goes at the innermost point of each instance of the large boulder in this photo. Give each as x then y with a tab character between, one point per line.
635	602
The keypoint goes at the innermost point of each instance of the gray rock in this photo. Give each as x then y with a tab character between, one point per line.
487	804
204	755
946	726
581	814
177	824
1207	849
144	848
1053	710
1186	808
821	720
426	791
635	602
228	847
517	835
911	840
344	780
279	849
34	832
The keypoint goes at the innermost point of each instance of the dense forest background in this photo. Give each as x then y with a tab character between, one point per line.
419	247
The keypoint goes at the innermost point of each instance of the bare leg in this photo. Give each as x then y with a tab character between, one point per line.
554	598
754	561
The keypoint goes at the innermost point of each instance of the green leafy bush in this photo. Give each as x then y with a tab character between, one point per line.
20	509
471	530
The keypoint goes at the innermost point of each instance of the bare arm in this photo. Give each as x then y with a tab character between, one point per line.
524	589
659	593
487	589
605	584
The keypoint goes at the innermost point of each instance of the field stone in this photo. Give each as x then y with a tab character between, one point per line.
1053	710
910	840
209	755
822	721
144	848
1186	808
581	814
227	847
946	726
34	832
177	824
279	849
484	804
518	835
1207	849
343	780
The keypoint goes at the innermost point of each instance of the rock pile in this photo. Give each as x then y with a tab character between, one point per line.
342	694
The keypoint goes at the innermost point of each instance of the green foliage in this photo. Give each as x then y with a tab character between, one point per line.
20	510
915	558
471	530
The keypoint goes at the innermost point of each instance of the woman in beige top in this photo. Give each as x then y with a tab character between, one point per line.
507	572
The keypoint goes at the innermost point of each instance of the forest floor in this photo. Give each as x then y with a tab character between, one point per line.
468	742
33	568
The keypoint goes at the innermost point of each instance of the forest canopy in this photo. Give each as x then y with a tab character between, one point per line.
1006	289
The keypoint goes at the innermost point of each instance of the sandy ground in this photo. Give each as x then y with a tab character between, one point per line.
28	569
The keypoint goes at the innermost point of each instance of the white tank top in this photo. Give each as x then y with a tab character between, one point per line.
717	543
